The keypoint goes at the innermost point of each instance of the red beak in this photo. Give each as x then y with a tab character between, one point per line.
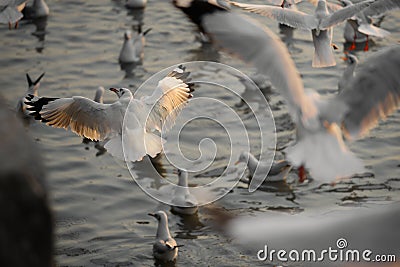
115	90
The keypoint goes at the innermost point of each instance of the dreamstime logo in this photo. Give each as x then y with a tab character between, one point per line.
228	115
339	254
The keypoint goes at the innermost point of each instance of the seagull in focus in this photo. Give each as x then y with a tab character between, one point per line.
11	12
132	50
33	87
135	4
320	122
97	121
321	24
165	247
184	202
348	73
38	9
276	173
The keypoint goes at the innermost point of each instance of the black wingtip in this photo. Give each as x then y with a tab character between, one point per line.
147	31
28	78
39	78
36	106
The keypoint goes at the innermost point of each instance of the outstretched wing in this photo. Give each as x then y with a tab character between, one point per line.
372	95
290	17
168	99
83	116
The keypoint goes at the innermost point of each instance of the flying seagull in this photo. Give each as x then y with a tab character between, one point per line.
373	94
98	121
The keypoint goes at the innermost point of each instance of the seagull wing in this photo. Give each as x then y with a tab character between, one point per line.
167	101
380	7
373	94
257	45
290	17
10	15
343	14
83	116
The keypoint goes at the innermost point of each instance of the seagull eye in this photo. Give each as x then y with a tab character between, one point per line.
122	92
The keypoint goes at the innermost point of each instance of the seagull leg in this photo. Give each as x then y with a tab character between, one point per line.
366	47
16	25
9	25
302	174
353	44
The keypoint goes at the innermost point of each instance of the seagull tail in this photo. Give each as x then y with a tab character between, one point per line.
134	145
325	155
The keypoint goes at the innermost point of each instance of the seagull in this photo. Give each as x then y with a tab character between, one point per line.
165	248
135	4
321	24
10	12
132	50
320	123
32	90
38	9
184	202
97	121
359	28
348	73
276	173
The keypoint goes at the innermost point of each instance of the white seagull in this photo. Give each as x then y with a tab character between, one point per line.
373	93
132	50
184	202
33	87
320	24
97	121
276	173
165	247
38	9
10	11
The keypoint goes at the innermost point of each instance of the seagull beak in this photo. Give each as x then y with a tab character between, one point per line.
344	58
115	90
151	214
237	162
175	171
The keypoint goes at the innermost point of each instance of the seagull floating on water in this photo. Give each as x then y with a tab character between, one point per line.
38	9
321	24
276	173
33	87
321	123
132	50
184	202
97	121
165	247
10	12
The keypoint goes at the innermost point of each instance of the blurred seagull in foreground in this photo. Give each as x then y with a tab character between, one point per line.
10	12
97	121
135	4
33	87
276	172
184	202
132	50
373	93
165	247
321	24
38	9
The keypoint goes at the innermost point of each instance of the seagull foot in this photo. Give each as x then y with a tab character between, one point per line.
302	174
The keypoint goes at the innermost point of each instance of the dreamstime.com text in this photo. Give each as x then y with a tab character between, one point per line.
339	254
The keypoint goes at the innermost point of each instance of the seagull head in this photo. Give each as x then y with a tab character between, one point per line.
122	92
243	157
161	217
127	35
350	59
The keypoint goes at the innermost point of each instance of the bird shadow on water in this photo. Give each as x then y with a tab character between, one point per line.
40	32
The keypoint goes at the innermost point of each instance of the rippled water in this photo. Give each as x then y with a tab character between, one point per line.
101	213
